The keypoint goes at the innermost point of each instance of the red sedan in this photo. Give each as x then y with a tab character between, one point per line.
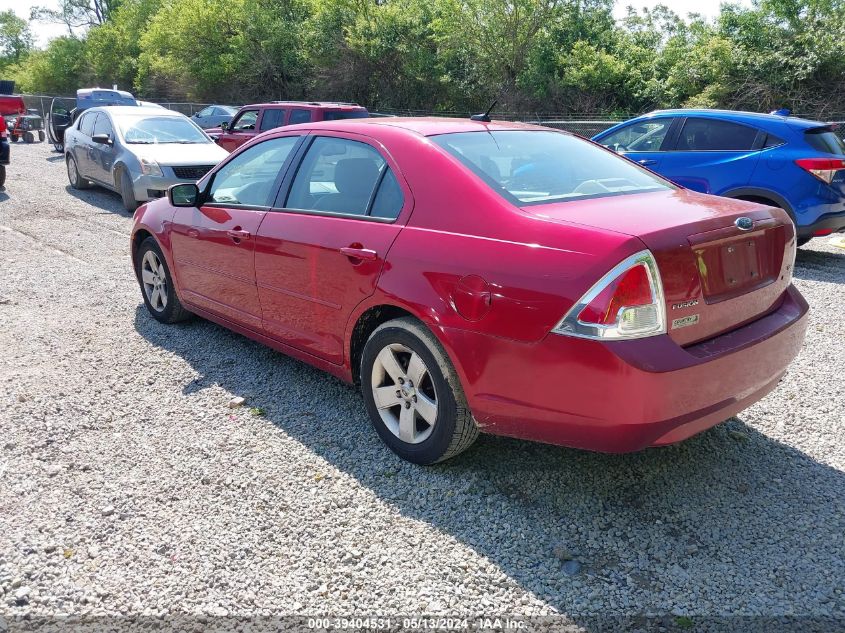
484	277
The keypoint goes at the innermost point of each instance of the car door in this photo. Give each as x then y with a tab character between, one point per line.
214	245
241	130
321	249
79	144
102	154
713	155
643	141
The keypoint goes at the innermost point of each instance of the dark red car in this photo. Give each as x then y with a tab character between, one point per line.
484	277
254	119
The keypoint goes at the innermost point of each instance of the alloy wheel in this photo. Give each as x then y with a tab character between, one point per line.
404	393
154	280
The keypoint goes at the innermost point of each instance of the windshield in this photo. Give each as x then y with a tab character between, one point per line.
336	115
163	129
537	167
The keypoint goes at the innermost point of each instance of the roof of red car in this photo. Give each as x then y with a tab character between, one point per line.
424	126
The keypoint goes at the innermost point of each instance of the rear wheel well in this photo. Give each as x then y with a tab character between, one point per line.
365	326
759	200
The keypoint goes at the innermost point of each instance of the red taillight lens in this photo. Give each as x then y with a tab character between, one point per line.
822	168
632	288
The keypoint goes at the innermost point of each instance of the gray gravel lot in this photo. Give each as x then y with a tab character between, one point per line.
127	485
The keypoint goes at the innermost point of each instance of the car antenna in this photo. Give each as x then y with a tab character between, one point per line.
486	116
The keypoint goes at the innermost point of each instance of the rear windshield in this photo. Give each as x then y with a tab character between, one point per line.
528	167
336	115
824	139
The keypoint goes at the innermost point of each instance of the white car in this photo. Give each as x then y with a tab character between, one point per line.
137	151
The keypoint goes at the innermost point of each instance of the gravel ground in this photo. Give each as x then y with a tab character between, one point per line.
127	485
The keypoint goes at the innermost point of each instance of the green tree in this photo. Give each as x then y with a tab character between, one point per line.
16	40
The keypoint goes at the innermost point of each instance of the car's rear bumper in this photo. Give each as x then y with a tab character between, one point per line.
626	395
823	225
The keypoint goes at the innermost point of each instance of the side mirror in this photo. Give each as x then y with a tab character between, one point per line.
103	139
224	126
184	195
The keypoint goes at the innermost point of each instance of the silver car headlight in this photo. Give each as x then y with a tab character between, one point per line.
150	168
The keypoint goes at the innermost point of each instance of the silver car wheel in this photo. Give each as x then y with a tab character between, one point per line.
404	393
72	174
154	280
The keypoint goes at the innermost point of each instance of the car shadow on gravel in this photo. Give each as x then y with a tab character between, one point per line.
820	265
731	520
104	199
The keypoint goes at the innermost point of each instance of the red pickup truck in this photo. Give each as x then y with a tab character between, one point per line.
260	117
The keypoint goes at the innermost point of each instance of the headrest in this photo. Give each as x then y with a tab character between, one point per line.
355	176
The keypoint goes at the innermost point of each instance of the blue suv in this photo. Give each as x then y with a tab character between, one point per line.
781	161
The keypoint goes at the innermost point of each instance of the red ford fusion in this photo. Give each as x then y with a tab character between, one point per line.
477	276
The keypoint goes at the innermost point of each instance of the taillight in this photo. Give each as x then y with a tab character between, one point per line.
822	168
626	303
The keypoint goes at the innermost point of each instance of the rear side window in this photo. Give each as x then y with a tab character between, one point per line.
528	167
300	116
772	141
337	115
645	136
713	135
389	199
824	139
272	118
86	123
336	175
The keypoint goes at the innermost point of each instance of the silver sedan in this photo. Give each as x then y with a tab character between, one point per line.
137	151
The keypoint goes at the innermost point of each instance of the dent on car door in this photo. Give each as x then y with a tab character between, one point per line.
214	245
321	249
643	141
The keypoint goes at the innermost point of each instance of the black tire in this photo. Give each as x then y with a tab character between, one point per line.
802	241
41	136
454	429
59	147
129	202
74	178
172	310
29	137
13	138
2	176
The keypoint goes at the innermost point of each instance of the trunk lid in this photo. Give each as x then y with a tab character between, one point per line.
716	276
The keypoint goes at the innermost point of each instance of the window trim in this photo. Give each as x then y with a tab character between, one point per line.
284	191
754	147
277	183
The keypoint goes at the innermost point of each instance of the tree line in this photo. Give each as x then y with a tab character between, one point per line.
568	56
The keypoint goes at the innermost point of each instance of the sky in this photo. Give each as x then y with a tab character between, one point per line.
709	8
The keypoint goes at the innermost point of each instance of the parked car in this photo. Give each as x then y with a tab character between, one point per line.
5	153
136	151
64	112
213	115
476	276
252	120
795	164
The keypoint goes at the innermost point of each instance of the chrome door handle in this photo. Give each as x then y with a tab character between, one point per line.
354	252
238	234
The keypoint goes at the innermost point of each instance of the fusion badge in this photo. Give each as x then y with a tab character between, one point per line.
685	321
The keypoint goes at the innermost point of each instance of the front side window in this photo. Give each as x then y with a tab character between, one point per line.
103	125
336	175
713	135
300	116
645	136
86	123
272	118
249	178
528	167
246	121
159	130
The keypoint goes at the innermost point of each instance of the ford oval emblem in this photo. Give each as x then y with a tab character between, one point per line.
744	224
